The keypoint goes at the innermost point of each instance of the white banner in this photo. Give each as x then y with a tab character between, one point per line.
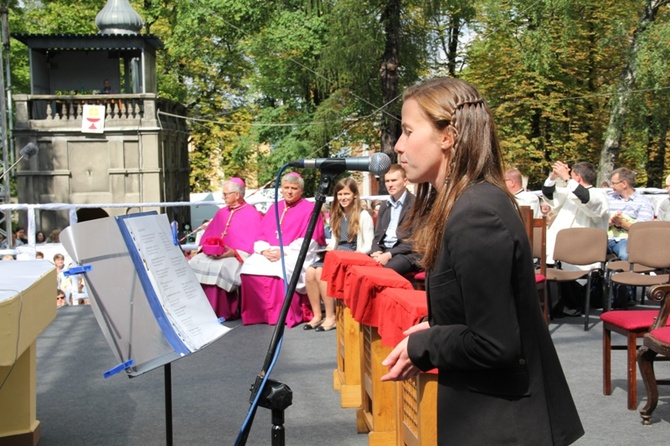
93	119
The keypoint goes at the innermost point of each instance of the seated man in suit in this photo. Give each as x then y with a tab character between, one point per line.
391	247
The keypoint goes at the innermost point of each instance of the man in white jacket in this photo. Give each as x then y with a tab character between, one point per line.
578	205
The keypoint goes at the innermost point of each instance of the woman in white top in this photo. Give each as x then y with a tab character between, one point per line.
353	230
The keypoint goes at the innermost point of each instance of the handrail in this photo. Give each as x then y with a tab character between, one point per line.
72	208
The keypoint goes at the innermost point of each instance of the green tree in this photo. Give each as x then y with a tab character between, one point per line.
45	17
624	89
646	126
547	90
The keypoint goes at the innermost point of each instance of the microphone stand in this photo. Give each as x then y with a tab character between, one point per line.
275	395
11	167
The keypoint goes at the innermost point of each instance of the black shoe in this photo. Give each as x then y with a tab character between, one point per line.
326	328
572	312
308	326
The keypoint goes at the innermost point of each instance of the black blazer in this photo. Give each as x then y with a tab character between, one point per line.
383	219
500	379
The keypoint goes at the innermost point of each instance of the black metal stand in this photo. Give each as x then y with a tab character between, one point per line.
167	368
274	395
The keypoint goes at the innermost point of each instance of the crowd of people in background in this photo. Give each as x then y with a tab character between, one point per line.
70	290
568	199
19	238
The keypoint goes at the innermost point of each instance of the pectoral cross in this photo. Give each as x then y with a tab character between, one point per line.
281	219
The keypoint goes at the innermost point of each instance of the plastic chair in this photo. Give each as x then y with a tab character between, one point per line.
648	245
656	342
579	247
615	265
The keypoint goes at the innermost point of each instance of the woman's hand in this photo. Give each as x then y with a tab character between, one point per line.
399	365
418	327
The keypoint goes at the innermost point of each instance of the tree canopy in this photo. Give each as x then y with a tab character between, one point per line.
268	82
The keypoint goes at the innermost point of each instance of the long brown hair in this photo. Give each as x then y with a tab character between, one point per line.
475	156
337	212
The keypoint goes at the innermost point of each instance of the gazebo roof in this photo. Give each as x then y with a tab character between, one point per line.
92	42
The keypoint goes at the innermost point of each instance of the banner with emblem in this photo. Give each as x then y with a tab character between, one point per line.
93	119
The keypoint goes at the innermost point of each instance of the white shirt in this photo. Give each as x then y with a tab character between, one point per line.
391	231
525	198
572	213
364	237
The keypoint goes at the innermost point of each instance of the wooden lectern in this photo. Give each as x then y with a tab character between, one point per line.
347	375
27	306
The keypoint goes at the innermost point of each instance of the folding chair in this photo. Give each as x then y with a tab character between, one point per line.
585	247
615	265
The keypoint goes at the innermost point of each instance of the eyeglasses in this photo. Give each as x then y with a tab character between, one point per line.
225	194
60	298
614	183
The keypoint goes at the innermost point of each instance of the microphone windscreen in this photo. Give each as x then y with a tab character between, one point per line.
380	163
29	150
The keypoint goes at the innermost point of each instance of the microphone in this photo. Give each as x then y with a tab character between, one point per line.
27	152
378	163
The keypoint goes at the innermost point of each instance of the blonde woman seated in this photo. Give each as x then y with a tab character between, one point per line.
353	230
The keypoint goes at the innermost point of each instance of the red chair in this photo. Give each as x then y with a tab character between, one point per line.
419	281
536	229
539	247
656	342
633	325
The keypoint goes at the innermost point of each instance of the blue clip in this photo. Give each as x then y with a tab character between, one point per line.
221	320
175	237
77	270
118	368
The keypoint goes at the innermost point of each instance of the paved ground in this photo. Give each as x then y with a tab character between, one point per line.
76	406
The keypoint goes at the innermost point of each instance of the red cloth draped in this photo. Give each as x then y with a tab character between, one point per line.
363	284
402	309
336	265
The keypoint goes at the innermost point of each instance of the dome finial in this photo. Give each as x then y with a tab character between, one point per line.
118	17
